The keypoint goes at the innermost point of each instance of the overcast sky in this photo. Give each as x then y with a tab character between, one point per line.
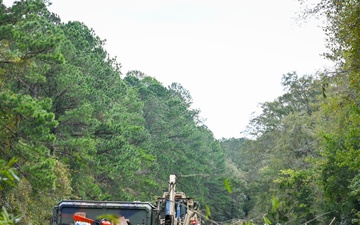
229	54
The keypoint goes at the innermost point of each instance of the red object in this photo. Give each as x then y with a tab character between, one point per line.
83	219
88	220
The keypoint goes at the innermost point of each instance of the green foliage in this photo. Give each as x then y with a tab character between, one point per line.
305	147
338	131
275	164
81	131
247	223
295	199
8	177
78	129
227	186
8	219
7	173
208	211
27	125
266	220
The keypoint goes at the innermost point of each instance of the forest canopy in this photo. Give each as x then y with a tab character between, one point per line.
74	127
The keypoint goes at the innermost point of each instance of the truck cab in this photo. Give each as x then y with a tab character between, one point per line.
137	213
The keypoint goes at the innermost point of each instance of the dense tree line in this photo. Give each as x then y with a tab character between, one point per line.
74	127
301	165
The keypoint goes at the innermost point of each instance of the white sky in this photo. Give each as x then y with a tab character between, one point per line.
229	54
